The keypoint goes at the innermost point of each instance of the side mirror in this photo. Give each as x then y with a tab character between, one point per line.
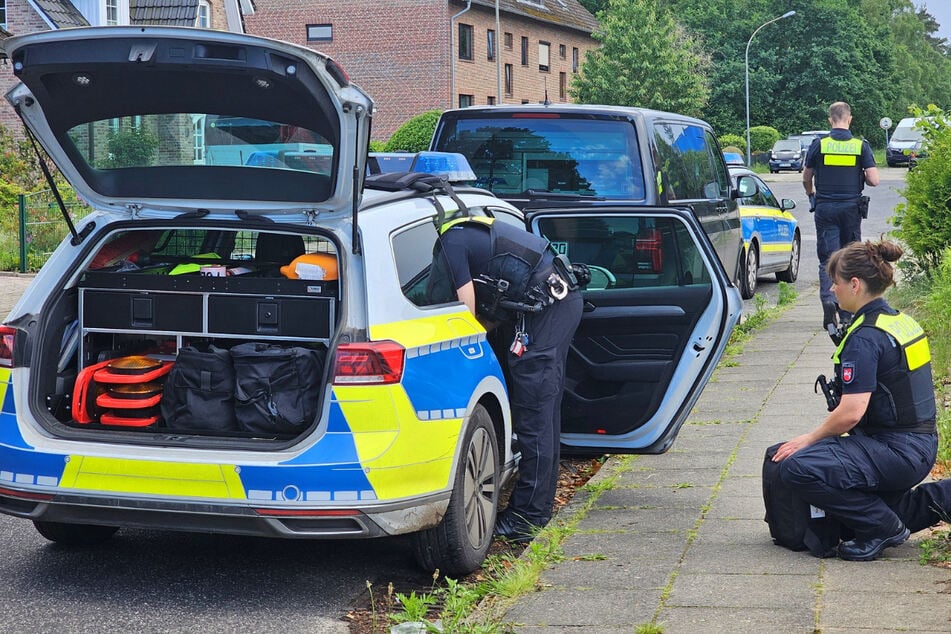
745	187
786	204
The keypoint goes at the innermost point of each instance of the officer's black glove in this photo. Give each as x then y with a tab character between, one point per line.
812	203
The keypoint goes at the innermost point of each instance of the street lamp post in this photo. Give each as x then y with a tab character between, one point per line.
785	15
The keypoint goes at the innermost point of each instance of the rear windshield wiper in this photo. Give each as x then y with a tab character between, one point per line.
541	194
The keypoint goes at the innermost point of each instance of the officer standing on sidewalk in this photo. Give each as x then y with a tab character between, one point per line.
887	406
841	166
506	275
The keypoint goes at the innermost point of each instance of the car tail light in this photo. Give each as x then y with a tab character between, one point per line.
7	339
375	362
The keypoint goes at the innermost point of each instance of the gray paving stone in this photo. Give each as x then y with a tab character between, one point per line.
887	610
762	557
655	519
647	573
739	591
630	546
790	620
589	608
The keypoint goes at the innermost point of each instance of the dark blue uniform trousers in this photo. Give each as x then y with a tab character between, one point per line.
537	382
837	224
855	478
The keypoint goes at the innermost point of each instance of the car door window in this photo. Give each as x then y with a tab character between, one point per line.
684	161
625	252
413	254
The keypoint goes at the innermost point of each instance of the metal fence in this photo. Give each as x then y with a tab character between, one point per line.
42	227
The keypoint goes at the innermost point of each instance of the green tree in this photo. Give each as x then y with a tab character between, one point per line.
415	134
645	59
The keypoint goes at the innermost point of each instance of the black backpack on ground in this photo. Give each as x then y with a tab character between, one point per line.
793	522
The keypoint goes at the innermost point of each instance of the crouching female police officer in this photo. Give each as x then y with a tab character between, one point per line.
883	369
506	275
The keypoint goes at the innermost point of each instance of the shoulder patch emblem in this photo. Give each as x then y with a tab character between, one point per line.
848	372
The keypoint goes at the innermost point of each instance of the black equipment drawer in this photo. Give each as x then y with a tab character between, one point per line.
303	317
166	312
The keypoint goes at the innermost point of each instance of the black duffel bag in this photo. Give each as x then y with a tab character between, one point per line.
199	391
276	388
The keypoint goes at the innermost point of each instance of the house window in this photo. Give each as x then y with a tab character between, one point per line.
524	51
562	86
203	21
544	55
562	51
3	14
490	100
465	101
320	32
508	79
198	137
465	41
574	60
507	41
112	12
490	44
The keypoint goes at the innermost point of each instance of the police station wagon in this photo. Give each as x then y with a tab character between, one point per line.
246	346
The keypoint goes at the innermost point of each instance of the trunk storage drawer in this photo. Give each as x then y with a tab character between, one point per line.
304	317
165	312
211	314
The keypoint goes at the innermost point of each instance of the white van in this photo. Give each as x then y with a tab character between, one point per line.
905	138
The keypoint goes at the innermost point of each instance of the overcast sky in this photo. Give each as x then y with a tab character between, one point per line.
941	10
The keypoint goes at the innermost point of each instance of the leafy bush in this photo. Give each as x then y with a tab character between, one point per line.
377	146
415	134
762	138
923	221
735	140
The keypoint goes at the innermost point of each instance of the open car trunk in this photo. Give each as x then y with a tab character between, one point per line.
196	334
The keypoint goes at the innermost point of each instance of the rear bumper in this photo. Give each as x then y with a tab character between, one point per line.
244	519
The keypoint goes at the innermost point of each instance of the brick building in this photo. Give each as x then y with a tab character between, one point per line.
419	55
18	17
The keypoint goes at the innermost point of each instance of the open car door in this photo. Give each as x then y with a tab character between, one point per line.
657	316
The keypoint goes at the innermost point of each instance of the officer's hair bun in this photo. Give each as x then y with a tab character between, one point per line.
887	250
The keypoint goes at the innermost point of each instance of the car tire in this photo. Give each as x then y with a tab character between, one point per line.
750	272
459	544
791	274
74	534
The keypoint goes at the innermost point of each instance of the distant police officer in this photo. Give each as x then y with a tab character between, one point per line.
509	276
887	406
841	166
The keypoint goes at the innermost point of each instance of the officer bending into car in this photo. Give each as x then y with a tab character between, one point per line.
886	404
840	166
508	277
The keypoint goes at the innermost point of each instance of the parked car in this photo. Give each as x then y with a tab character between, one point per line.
906	138
786	154
772	241
533	153
233	348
